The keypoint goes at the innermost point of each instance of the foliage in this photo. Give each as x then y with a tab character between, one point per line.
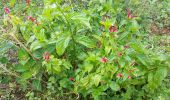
70	49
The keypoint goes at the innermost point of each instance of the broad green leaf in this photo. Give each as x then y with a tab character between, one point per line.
96	79
134	26
62	44
161	73
31	39
124	35
5	46
21	68
64	83
4	60
81	18
114	86
39	33
142	59
37	85
35	45
12	2
23	56
26	75
85	40
88	67
66	64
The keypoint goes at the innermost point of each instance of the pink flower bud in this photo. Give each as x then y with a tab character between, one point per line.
119	75
113	29
6	10
104	60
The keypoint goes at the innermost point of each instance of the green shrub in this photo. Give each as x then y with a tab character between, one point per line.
85	50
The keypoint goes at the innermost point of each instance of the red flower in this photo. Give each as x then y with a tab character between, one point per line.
6	10
126	46
46	56
129	14
104	60
71	78
129	77
32	19
113	29
120	54
28	2
119	75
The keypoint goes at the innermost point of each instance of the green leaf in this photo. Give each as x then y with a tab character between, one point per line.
96	79
21	68
66	64
23	56
12	2
39	34
37	85
142	58
114	86
88	67
86	41
161	73
35	45
81	18
124	35
26	75
4	60
4	46
64	83
62	44
135	26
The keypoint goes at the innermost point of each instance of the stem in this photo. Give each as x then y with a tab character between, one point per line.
21	44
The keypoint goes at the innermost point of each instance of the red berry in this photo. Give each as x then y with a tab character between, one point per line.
129	14
71	78
28	2
120	54
6	10
104	60
129	77
126	46
32	19
46	56
113	29
119	75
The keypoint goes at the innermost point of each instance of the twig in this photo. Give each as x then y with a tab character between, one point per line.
21	44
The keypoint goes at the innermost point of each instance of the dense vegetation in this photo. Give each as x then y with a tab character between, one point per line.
84	49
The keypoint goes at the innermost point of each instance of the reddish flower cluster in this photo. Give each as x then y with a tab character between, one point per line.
104	60
71	78
126	46
129	15
28	2
120	54
46	56
32	19
113	29
119	75
129	77
6	10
